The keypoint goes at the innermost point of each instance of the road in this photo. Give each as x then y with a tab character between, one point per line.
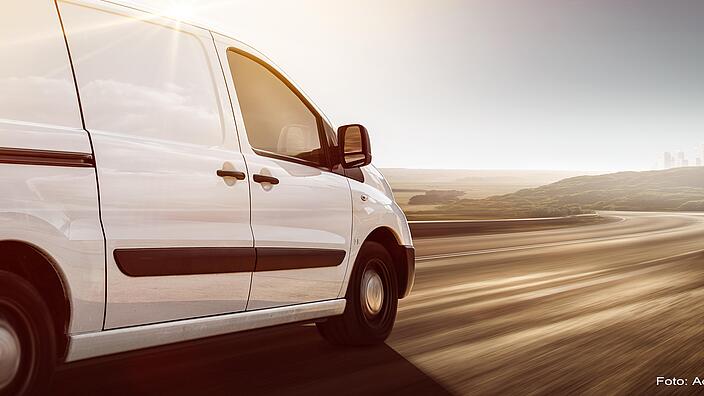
592	309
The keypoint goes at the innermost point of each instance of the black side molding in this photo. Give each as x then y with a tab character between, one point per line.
46	158
274	259
184	261
218	260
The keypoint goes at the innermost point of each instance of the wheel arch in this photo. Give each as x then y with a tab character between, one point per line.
37	267
404	265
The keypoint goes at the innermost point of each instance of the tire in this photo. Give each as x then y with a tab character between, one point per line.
27	340
366	321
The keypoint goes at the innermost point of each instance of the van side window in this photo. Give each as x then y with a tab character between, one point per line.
278	121
143	78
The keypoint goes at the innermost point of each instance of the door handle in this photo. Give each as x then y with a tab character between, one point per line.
265	179
230	173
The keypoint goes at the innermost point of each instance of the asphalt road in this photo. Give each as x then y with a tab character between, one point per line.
592	309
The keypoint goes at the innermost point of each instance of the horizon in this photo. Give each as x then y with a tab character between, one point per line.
592	172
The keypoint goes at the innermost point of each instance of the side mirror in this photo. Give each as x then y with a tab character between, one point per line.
355	150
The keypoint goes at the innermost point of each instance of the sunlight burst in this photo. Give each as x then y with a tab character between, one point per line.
180	11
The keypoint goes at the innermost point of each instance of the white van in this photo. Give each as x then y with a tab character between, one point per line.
161	182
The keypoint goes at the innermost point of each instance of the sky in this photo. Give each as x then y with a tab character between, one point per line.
598	85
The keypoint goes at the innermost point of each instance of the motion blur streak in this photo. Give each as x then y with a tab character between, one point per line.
598	309
602	308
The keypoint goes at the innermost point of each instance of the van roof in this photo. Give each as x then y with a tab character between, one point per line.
160	13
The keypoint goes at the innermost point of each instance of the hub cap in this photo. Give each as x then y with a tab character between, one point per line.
372	292
9	354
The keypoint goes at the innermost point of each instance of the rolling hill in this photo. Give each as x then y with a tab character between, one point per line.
678	189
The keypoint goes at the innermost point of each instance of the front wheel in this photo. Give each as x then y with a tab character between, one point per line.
372	301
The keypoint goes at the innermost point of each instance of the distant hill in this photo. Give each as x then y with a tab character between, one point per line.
425	190
436	197
679	189
474	183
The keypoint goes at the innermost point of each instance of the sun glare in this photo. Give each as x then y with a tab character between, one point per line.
180	11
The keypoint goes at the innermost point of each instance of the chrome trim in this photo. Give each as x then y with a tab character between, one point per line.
372	292
10	353
84	346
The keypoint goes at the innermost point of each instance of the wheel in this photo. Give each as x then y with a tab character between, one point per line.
27	340
372	301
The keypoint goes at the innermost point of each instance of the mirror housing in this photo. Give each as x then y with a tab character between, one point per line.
355	149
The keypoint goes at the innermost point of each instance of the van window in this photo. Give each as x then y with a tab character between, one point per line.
143	78
277	120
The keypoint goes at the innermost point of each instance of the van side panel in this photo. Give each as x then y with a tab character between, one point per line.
51	204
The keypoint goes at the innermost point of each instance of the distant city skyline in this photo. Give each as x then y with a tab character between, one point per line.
678	158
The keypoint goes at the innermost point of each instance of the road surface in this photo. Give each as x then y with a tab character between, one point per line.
593	309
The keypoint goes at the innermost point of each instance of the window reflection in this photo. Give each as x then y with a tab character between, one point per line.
277	120
354	151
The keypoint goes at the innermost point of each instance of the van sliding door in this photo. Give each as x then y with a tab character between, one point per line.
173	184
